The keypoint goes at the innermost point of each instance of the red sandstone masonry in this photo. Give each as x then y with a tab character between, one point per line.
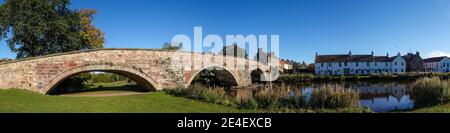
153	68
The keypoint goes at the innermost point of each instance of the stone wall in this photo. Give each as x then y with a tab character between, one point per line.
156	68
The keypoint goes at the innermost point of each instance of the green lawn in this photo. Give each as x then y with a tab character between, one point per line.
14	100
445	108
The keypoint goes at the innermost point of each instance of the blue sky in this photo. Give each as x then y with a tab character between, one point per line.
304	26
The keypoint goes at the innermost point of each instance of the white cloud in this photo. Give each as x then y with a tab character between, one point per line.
438	54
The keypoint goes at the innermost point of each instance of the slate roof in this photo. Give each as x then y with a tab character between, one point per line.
434	59
352	58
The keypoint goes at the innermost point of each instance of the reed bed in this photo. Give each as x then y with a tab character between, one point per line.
276	97
430	91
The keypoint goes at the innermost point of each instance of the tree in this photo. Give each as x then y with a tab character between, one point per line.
90	35
41	27
169	46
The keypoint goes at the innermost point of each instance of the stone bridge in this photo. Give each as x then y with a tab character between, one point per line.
151	68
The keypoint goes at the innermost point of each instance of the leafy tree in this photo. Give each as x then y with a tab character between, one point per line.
90	35
41	27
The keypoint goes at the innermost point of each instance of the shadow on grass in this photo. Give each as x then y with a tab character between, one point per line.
98	89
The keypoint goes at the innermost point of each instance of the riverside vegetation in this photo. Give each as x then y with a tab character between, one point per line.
430	94
431	91
296	78
278	98
428	91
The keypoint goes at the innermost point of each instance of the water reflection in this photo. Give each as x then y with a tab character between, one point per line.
379	97
382	97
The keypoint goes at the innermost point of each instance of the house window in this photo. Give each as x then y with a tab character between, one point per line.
403	64
340	64
375	64
329	64
357	63
386	64
345	63
321	64
395	63
368	63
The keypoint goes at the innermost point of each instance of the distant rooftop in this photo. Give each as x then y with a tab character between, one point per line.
353	58
434	59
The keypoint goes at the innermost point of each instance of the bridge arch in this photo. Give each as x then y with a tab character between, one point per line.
257	75
222	71
136	75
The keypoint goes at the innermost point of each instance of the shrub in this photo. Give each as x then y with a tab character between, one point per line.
249	104
430	91
342	78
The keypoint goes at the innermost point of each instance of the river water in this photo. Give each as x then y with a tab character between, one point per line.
379	97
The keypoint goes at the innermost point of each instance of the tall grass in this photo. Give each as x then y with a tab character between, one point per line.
324	97
202	93
271	97
430	91
276	97
334	96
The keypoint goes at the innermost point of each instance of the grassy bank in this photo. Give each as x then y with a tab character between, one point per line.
15	101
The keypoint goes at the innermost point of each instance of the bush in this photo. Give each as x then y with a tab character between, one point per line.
249	104
430	91
342	78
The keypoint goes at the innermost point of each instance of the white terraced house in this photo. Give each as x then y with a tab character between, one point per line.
349	64
437	64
